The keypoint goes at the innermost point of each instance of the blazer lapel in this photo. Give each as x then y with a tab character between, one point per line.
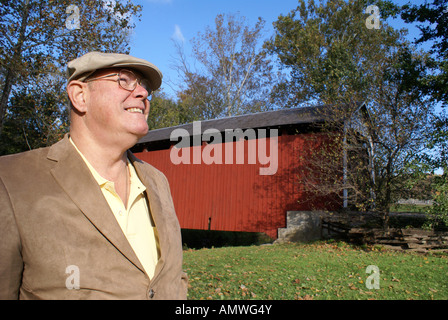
76	180
155	207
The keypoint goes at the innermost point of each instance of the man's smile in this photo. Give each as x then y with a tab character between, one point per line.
135	110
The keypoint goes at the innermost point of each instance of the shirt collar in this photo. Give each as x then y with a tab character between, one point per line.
136	185
99	179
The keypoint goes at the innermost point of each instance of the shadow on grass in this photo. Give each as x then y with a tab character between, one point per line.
197	239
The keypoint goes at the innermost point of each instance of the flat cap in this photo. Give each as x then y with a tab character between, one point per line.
84	66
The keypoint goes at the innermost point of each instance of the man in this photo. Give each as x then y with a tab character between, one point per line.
84	218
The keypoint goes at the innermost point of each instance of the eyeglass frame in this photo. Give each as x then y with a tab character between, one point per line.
137	82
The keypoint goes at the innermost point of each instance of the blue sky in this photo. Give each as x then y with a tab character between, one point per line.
165	20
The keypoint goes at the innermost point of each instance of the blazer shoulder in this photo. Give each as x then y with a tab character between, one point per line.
36	158
20	167
23	160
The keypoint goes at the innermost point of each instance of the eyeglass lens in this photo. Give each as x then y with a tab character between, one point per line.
128	80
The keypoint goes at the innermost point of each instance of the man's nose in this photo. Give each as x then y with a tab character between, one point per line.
140	92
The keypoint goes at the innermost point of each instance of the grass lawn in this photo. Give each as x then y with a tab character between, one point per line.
321	270
416	208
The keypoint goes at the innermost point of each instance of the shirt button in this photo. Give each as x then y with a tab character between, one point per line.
151	293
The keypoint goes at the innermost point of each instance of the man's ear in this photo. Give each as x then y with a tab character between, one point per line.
77	93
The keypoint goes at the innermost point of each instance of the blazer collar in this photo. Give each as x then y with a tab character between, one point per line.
76	180
153	193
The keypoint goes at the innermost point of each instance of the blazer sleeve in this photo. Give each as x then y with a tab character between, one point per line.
11	264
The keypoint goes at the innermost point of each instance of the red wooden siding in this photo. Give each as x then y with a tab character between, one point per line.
235	196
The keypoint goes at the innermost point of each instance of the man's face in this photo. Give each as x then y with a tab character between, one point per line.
115	111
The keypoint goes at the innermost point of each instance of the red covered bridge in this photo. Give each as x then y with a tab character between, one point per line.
237	173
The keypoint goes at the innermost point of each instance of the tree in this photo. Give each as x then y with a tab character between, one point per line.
38	38
36	119
378	119
235	75
165	112
330	53
432	19
401	125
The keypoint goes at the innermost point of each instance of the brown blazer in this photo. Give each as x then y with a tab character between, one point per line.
53	216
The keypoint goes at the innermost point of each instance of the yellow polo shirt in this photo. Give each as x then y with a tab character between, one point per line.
135	220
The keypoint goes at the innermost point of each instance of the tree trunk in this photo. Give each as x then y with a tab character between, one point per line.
13	65
387	198
9	80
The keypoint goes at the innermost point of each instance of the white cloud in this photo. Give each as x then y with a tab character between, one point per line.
177	35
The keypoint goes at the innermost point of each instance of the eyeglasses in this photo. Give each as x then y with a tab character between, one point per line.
128	80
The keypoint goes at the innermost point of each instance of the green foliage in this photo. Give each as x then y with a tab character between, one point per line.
438	212
432	20
434	13
331	54
437	157
35	120
164	112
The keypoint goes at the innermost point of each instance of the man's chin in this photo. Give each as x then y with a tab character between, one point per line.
141	133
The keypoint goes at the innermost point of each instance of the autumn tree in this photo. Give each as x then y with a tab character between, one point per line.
431	18
366	71
37	39
37	118
234	75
